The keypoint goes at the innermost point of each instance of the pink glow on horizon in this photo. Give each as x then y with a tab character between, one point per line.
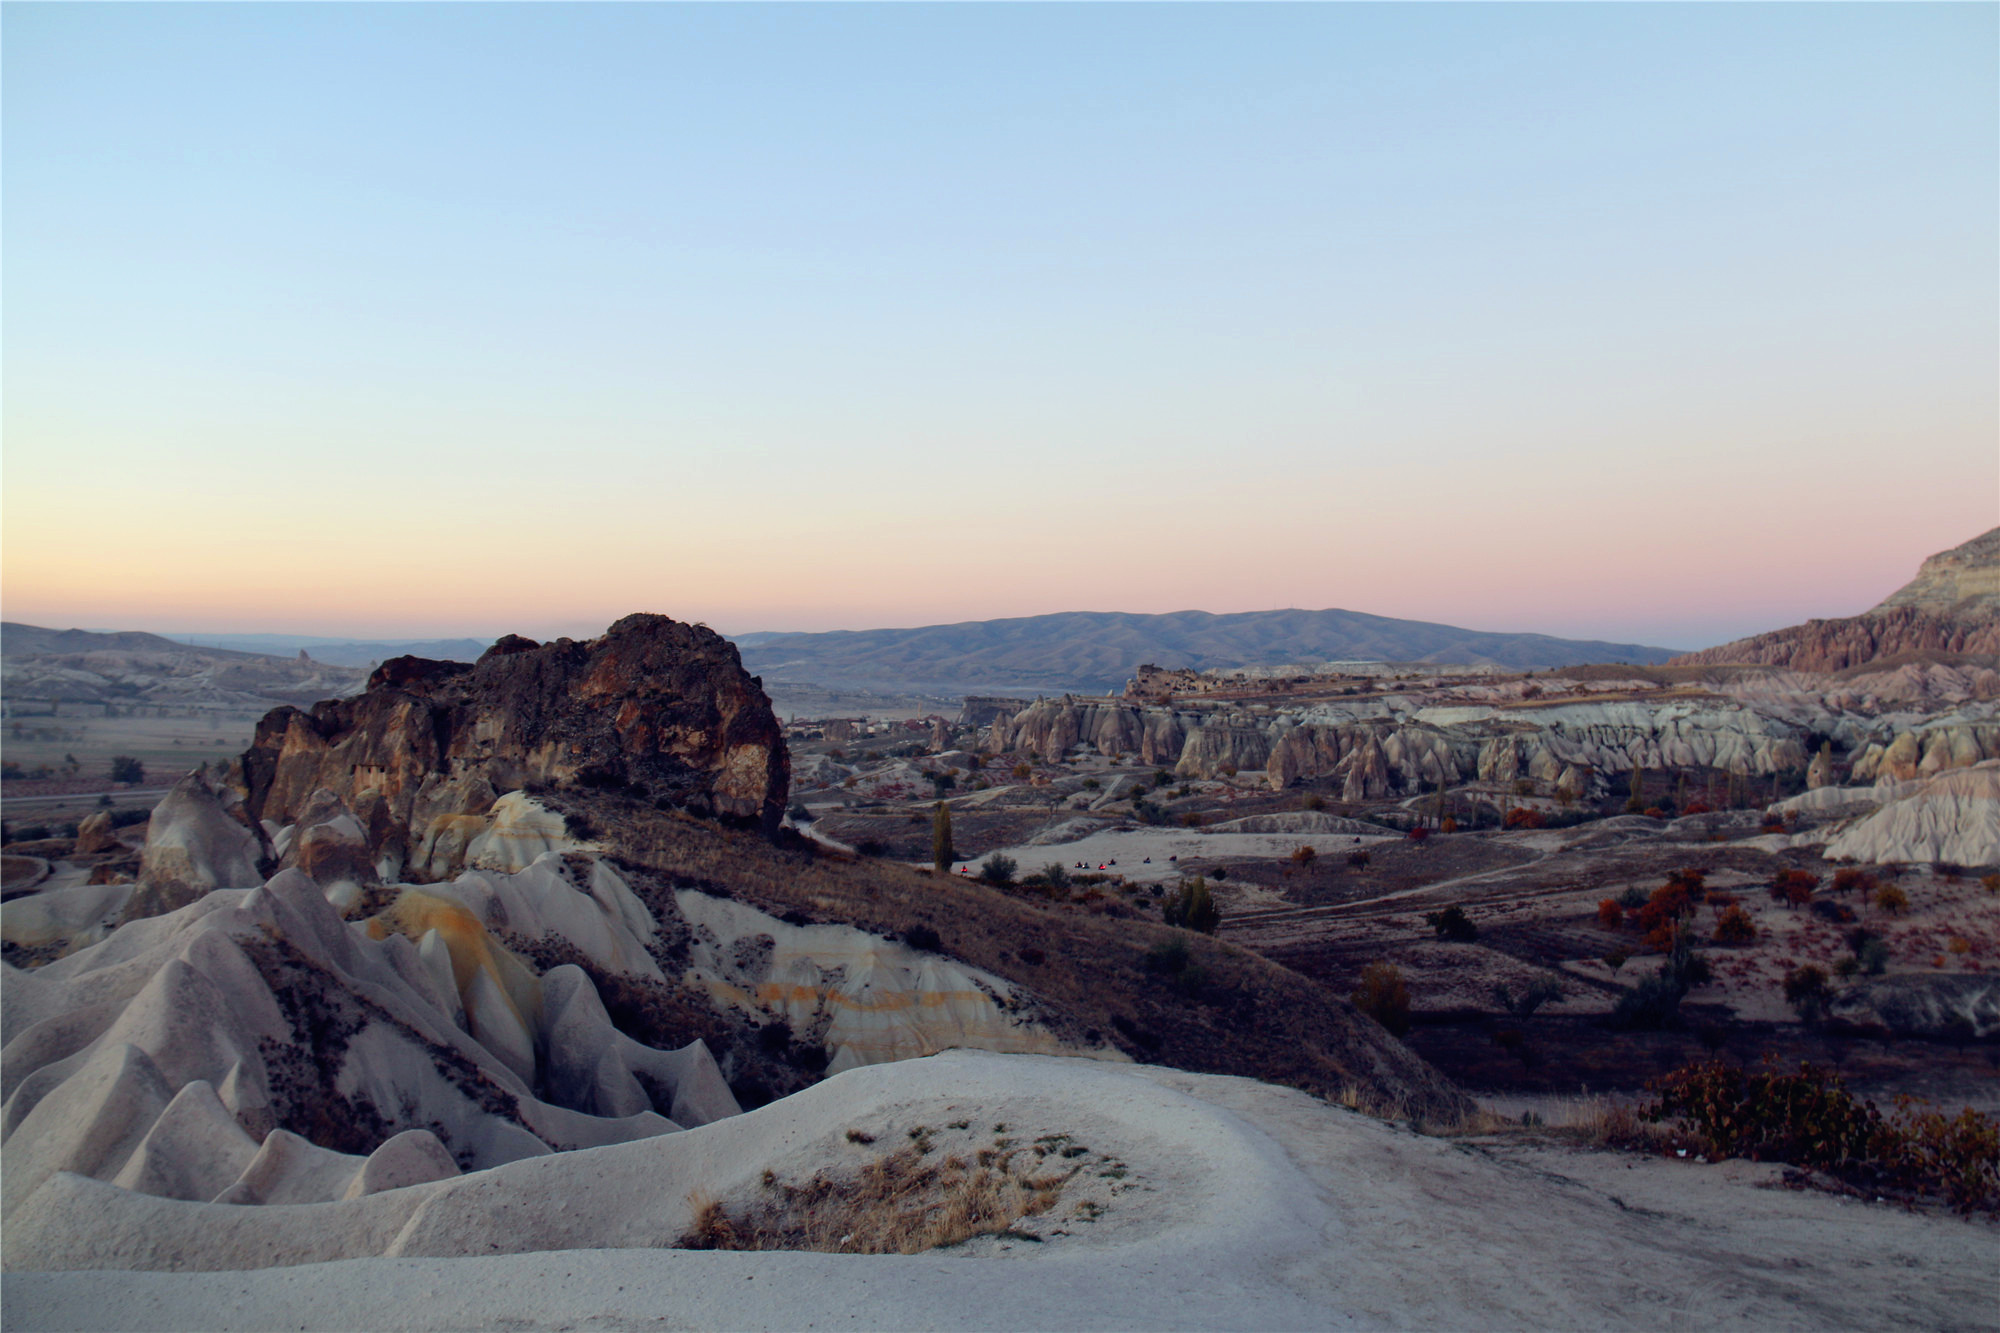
1688	599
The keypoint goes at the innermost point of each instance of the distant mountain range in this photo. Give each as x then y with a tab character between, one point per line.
1093	651
343	652
71	666
1081	651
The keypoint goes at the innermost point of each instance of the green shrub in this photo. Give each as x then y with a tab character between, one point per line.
1193	908
1654	1003
997	870
1452	924
1633	898
1532	997
124	768
943	852
1871	951
1808	992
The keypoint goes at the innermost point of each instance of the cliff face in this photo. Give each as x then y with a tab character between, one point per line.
654	707
1951	607
1372	758
1963	582
1836	645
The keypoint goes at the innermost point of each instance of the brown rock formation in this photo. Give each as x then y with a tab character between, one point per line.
654	707
1951	607
1963	582
95	834
1835	645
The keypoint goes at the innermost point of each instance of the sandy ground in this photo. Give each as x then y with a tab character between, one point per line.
1246	1206
1132	848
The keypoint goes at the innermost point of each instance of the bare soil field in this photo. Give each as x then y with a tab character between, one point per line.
167	746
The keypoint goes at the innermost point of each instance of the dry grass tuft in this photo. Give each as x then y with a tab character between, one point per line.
898	1204
1586	1121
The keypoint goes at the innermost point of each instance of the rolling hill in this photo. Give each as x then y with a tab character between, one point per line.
1099	650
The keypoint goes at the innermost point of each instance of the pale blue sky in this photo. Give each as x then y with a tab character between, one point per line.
1647	322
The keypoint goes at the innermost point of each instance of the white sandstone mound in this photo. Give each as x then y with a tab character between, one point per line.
1302	821
519	831
1956	741
194	844
1205	1203
813	771
865	998
194	1054
1830	801
75	916
592	910
1954	816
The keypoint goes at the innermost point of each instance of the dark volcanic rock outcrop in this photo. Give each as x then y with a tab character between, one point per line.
1952	607
656	708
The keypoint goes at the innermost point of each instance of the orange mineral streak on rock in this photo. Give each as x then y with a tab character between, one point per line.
501	994
866	999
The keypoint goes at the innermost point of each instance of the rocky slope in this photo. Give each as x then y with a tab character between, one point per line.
1952	816
1398	744
654	707
255	1048
1963	582
1952	607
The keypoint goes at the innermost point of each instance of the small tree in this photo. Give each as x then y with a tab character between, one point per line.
1793	888
942	852
1891	899
1734	926
997	870
1808	991
124	768
1193	908
1383	996
1452	924
1609	914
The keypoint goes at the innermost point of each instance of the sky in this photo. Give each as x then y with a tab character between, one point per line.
1651	323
